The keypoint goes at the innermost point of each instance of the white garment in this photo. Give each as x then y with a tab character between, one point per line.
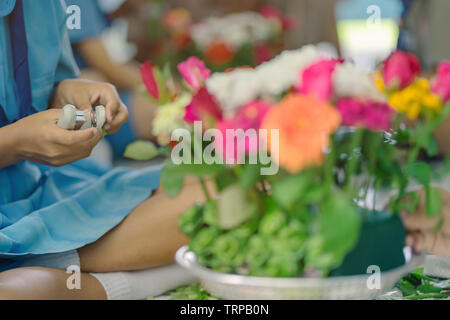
139	285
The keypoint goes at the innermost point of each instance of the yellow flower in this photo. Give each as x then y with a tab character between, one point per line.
416	99
379	81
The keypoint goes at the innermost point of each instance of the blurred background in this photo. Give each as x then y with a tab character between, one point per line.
117	36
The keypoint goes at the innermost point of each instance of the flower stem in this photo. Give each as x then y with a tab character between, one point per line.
353	162
205	189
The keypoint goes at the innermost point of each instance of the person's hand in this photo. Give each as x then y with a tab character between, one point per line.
85	94
38	138
420	228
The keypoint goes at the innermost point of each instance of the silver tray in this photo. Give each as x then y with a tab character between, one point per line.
238	287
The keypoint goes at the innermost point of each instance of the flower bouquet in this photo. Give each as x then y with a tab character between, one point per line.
294	147
169	33
238	39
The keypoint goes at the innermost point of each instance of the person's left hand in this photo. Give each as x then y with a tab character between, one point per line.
86	94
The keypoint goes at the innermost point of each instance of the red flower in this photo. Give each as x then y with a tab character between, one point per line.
270	12
219	54
204	108
149	79
317	79
400	69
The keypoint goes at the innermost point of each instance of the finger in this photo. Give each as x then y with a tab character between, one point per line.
52	115
70	138
111	100
82	102
94	140
120	118
425	242
418	221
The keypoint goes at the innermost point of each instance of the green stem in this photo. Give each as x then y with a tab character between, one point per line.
353	162
205	189
329	167
413	154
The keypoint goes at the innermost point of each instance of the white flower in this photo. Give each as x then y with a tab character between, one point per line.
169	117
235	30
352	81
274	77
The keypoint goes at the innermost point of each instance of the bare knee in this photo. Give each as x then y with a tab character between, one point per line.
46	284
11	284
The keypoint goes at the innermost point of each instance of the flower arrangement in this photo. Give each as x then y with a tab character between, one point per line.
247	38
334	131
169	33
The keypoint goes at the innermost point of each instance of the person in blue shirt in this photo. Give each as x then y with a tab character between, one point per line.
57	212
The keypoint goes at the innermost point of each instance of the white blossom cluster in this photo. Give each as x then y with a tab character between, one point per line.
235	30
272	78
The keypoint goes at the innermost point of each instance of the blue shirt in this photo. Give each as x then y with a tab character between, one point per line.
50	55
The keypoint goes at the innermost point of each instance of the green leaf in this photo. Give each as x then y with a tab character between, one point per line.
406	288
234	207
171	179
290	190
433	147
433	202
250	176
191	221
199	170
428	288
141	151
338	225
420	171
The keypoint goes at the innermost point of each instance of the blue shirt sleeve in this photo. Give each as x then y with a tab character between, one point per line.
93	20
6	6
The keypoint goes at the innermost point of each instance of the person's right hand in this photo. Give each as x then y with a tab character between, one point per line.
420	228
39	139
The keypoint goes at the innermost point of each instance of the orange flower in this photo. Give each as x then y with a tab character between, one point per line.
219	54
304	124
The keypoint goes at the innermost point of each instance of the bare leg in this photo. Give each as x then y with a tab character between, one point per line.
147	238
45	283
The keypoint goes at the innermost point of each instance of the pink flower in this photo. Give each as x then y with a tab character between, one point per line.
203	107
149	79
441	86
248	117
270	12
194	72
317	79
262	53
373	115
400	70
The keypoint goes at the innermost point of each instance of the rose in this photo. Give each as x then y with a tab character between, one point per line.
317	79
400	70
194	72
441	86
248	117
